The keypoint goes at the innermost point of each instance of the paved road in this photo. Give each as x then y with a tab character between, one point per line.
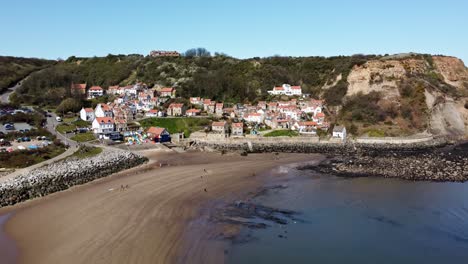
5	97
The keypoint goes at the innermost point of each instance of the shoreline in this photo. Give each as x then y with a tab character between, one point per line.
220	222
91	223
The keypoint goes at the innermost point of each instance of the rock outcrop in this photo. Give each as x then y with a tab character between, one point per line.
65	174
445	80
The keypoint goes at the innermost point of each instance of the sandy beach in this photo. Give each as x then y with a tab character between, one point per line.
143	223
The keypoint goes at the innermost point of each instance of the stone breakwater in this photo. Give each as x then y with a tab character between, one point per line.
65	174
445	164
434	160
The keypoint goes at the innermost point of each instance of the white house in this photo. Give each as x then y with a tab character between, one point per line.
87	114
95	91
339	132
286	89
152	113
103	125
193	112
254	117
103	110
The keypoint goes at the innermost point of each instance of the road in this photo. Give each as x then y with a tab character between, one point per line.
5	97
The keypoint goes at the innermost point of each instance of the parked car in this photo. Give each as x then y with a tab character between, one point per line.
9	126
26	139
58	118
3	150
4	143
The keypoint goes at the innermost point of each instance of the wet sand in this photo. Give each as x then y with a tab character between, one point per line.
144	223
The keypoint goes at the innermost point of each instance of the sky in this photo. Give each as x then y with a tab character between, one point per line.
242	28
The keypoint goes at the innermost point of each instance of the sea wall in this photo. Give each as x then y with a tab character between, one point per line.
312	145
65	174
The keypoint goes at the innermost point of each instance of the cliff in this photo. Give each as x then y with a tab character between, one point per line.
426	92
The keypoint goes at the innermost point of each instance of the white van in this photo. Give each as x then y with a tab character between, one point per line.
58	118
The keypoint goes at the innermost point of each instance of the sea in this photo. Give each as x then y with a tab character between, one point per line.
359	220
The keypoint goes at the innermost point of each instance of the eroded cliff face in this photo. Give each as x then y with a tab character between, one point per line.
383	76
445	80
453	70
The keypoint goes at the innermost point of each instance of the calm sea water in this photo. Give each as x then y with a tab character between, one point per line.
365	220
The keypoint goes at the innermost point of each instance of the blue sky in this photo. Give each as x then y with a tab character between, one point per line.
241	28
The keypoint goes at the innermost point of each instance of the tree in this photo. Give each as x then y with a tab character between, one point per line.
198	52
69	105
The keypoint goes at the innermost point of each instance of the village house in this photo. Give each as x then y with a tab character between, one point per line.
211	108
273	106
206	104
176	109
319	118
230	112
78	88
95	91
103	125
114	90
254	118
168	92
339	132
120	124
193	112
262	105
87	114
152	113
219	109
309	127
103	110
219	127
195	100
286	89
158	134
237	129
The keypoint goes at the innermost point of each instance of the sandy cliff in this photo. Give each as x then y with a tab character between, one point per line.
445	81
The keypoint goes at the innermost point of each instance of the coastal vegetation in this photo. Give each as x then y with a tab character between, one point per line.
83	137
177	125
26	158
220	77
282	133
87	152
14	69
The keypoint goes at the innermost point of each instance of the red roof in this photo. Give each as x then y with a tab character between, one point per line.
207	101
167	90
153	111
320	115
95	88
216	124
307	123
156	130
88	110
115	87
107	120
278	88
105	107
296	87
193	111
80	86
174	105
237	124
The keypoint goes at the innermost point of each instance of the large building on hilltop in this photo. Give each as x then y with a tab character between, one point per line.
286	89
163	53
